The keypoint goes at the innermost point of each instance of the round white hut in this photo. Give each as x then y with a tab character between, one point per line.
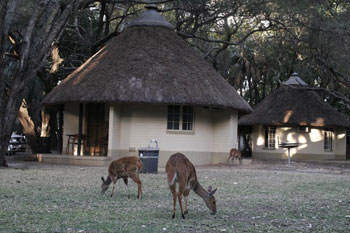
148	83
295	113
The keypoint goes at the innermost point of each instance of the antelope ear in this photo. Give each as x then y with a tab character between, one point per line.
209	189
213	192
103	179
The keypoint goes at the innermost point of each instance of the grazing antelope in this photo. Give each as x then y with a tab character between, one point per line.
126	167
234	154
180	170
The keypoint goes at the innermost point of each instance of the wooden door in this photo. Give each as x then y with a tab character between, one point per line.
96	129
245	144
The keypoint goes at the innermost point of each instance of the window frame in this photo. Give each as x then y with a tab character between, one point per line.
328	138
270	137
188	120
175	117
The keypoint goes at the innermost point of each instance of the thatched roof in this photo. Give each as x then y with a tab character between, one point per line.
296	107
148	63
295	80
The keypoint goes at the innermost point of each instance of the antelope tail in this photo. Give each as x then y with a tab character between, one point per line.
172	175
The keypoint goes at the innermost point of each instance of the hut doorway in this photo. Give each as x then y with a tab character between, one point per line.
244	141
96	130
348	144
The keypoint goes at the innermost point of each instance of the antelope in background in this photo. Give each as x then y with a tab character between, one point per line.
180	170
126	167
234	154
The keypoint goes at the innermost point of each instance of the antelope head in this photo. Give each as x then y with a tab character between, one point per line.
211	202
105	184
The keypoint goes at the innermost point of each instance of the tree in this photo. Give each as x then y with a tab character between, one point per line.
28	31
310	37
254	45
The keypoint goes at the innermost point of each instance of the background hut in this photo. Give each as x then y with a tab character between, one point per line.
294	113
148	83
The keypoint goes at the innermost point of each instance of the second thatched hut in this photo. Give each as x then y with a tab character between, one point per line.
295	113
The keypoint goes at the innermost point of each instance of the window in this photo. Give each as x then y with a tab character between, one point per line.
173	117
180	116
187	118
328	141
270	137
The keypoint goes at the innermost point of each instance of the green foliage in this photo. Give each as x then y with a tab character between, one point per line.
255	45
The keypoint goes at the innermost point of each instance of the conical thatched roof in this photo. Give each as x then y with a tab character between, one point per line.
295	80
147	63
296	107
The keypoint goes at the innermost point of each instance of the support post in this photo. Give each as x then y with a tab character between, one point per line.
60	129
113	130
234	131
80	129
288	155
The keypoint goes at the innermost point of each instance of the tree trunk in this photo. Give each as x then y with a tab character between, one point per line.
36	140
9	116
39	33
29	128
54	129
3	150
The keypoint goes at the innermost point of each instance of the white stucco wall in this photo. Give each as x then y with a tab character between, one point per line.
311	144
114	129
224	131
214	133
140	124
340	144
70	123
133	126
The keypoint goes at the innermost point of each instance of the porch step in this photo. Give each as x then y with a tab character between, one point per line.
63	159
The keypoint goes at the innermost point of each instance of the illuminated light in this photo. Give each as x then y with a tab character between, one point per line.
285	128
302	139
315	135
290	137
341	136
260	141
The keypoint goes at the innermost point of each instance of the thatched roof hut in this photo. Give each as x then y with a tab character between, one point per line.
148	63
295	105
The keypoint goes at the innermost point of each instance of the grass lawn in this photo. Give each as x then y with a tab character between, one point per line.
46	198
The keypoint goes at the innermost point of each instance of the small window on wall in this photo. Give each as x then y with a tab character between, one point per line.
173	117
328	141
270	137
187	117
180	117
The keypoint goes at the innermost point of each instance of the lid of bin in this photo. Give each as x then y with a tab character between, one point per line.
148	149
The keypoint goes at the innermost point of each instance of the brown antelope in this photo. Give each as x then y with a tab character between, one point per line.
180	170
126	167
234	154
